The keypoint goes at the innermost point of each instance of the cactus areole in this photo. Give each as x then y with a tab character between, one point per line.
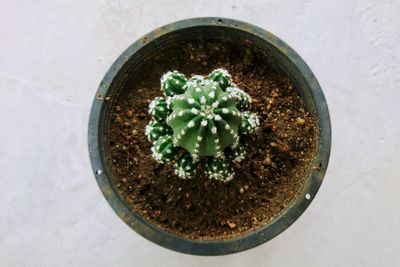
200	118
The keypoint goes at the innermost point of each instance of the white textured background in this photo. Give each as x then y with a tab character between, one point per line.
53	55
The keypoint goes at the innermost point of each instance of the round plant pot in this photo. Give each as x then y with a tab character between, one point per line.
285	58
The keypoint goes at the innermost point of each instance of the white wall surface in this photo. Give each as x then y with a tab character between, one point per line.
53	55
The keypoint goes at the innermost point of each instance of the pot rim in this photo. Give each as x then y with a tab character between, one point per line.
223	246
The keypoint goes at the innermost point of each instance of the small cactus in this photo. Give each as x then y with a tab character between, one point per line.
159	108
173	83
219	169
200	120
164	149
156	129
185	166
196	79
236	154
243	100
222	77
250	122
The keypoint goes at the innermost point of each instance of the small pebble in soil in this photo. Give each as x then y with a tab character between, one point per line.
241	191
129	113
267	161
231	224
300	121
119	119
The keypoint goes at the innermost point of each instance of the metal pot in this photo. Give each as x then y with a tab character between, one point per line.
285	58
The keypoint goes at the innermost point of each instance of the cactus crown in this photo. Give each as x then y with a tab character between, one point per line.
200	119
205	119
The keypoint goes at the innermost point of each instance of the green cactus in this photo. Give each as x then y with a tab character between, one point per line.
164	149
219	169
173	83
159	108
235	153
205	119
222	77
185	166
243	100
250	122
201	120
156	129
196	79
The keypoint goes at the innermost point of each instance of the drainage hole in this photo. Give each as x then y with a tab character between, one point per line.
308	196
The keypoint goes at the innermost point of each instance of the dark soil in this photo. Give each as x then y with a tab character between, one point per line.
279	155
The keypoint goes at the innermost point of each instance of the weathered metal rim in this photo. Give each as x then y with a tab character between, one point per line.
209	247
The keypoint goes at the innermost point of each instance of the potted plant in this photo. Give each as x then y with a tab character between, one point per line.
209	136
